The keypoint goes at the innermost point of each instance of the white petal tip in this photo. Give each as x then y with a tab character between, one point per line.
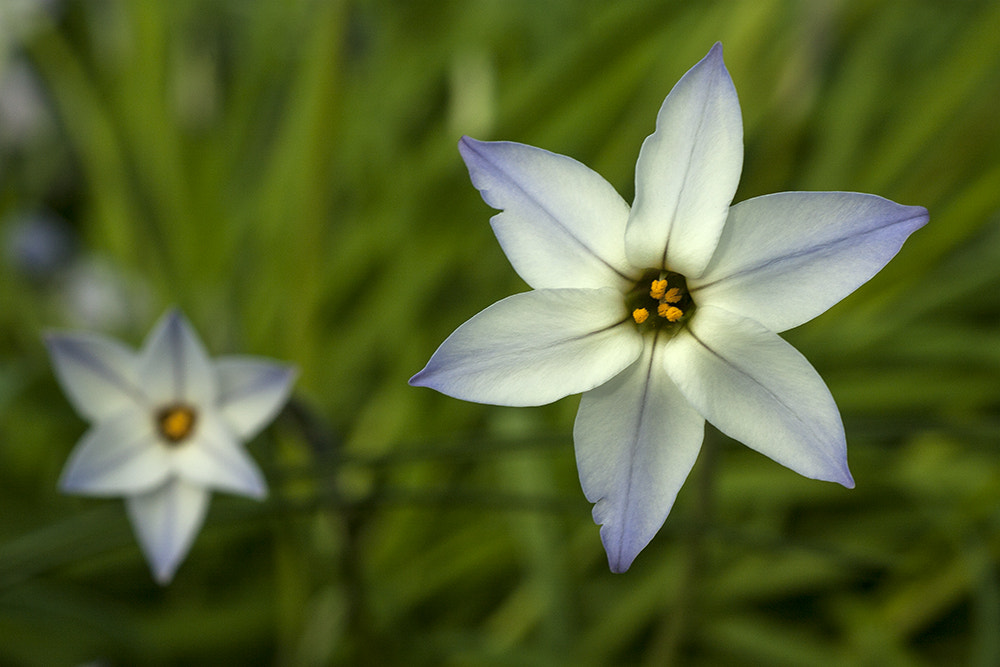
164	576
426	378
72	484
920	216
68	486
469	149
618	567
57	342
619	545
713	57
620	555
840	476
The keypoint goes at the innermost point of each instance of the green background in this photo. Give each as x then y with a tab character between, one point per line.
287	174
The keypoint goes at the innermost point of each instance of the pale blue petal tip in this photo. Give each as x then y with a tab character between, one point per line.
619	558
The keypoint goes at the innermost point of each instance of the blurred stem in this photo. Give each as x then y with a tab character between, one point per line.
668	642
342	515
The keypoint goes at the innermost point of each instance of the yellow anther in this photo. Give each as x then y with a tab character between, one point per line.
640	315
668	312
176	422
658	289
673	295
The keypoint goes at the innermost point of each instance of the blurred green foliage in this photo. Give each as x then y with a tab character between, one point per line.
287	174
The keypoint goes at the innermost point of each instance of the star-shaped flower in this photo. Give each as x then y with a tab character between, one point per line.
665	314
168	423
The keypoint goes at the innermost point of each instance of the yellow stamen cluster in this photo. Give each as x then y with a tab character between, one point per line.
658	290
176	422
660	300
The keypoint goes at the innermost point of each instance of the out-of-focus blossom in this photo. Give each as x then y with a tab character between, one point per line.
167	428
25	115
97	293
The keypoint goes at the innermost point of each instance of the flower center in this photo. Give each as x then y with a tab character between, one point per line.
660	300
176	422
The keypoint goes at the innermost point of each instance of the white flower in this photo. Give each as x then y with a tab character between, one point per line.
167	428
666	314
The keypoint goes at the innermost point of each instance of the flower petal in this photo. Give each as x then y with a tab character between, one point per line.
758	389
98	374
174	366
119	455
636	439
166	521
561	224
251	392
214	459
687	172
535	348
785	258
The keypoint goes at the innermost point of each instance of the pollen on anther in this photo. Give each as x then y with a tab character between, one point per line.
669	313
640	315
658	289
673	295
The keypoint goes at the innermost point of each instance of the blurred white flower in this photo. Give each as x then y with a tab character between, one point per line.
25	114
167	428
665	314
97	292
